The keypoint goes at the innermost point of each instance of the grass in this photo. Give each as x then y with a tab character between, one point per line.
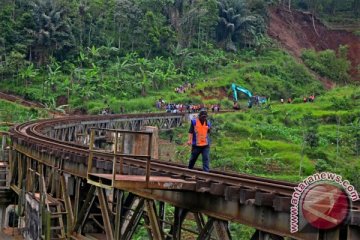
15	113
271	143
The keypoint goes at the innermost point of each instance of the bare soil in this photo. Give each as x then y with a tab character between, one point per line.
214	93
295	31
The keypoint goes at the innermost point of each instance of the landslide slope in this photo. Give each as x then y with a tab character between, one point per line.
295	31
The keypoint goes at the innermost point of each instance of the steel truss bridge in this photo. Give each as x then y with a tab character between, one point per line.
98	177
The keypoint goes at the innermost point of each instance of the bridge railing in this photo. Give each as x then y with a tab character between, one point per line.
120	144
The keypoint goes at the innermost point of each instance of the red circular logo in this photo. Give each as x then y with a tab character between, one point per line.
325	206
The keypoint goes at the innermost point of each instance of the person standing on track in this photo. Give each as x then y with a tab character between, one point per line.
199	140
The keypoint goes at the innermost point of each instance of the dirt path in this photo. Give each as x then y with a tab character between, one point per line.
20	100
295	31
26	103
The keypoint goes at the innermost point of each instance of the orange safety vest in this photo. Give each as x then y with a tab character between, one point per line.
201	133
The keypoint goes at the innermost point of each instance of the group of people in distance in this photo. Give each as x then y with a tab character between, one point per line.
179	108
288	101
215	107
311	98
182	88
106	111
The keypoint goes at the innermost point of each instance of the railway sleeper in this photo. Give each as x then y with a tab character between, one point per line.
217	189
232	193
282	204
203	186
246	195
264	199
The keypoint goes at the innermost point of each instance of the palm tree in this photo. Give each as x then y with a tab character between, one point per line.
236	25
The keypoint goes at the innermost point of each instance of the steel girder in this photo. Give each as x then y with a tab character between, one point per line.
78	132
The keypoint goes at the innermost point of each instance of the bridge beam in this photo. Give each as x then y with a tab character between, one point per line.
222	230
85	210
179	217
68	207
119	197
154	222
132	219
105	213
205	233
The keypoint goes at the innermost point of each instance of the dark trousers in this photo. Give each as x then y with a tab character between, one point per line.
205	152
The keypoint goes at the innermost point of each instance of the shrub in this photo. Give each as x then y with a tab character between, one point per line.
343	103
316	154
322	166
328	64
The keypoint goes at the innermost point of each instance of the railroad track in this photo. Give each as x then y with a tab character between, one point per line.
33	132
267	196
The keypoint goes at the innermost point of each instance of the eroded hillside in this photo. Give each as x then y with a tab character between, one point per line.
295	31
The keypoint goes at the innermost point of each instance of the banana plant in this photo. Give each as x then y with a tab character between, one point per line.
28	73
51	106
236	24
54	70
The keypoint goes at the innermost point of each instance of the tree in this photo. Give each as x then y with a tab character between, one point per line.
354	137
190	19
13	63
314	7
158	37
126	19
237	26
51	31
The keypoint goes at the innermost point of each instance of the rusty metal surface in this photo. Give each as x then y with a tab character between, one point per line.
155	182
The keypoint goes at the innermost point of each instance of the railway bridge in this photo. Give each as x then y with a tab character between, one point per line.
99	177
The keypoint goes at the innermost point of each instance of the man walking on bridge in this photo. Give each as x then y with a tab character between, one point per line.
199	140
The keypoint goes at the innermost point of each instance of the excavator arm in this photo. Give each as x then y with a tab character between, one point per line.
235	90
